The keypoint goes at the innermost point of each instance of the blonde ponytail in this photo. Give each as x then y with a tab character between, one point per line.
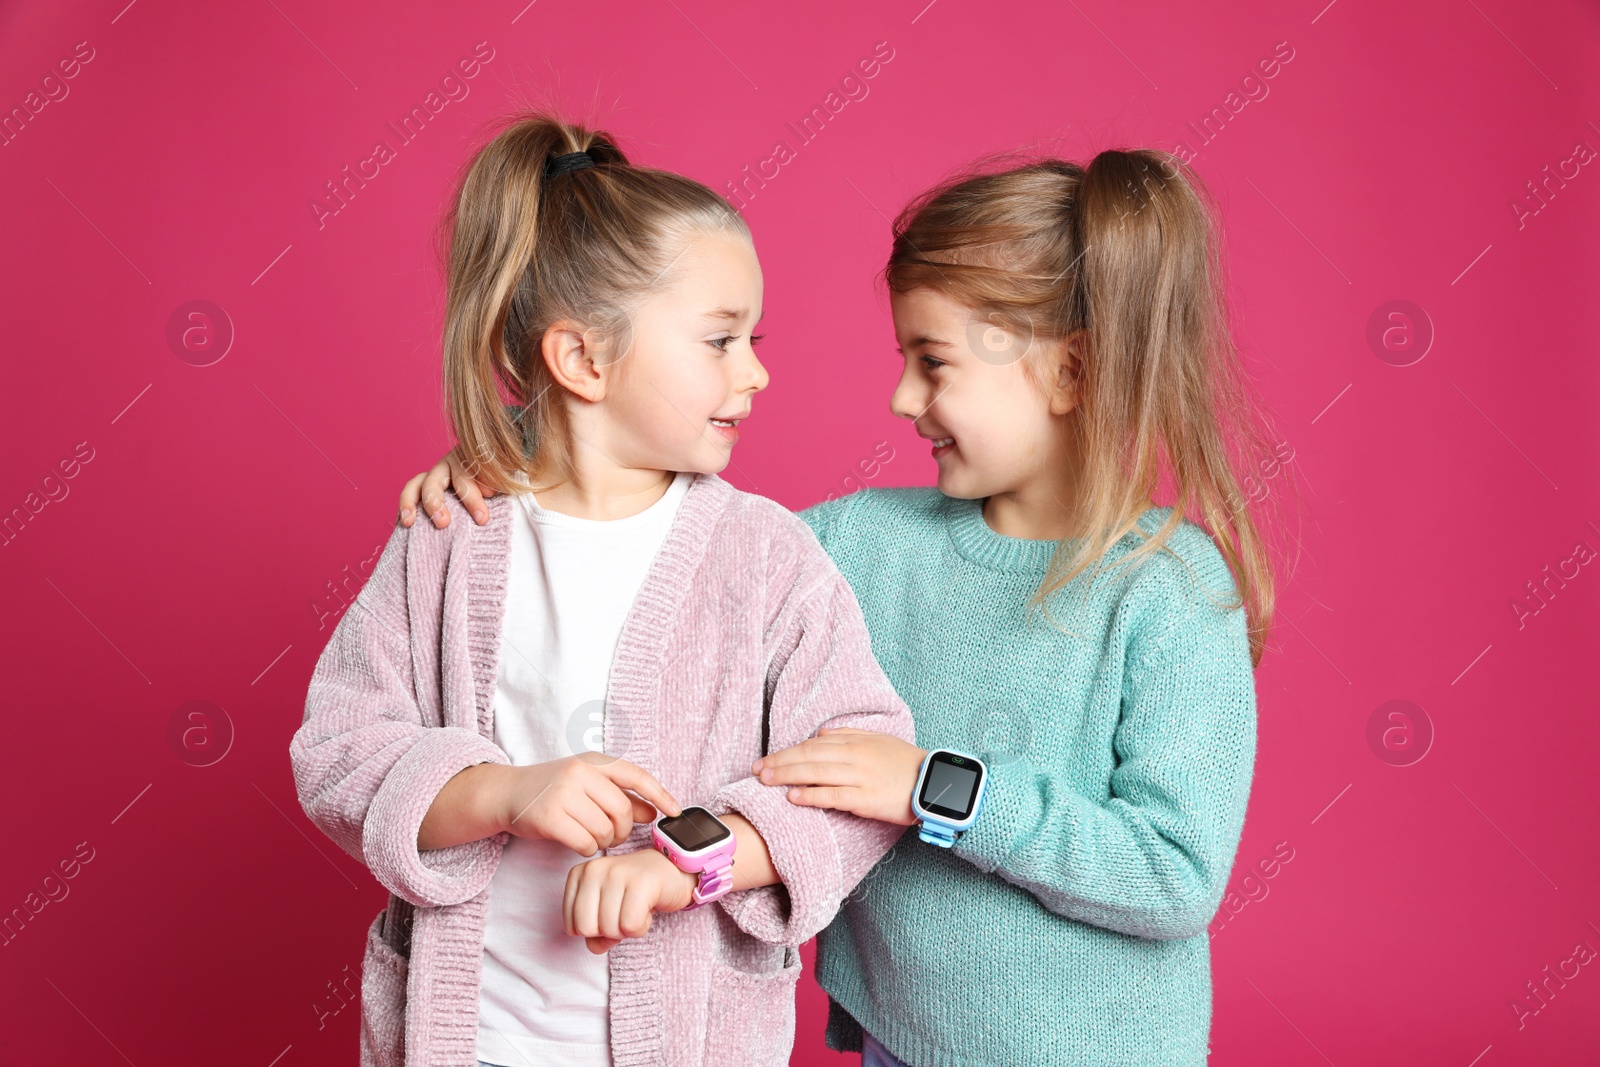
526	250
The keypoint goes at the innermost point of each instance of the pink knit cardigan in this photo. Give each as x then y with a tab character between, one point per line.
742	618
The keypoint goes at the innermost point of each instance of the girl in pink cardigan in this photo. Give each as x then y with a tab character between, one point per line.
626	631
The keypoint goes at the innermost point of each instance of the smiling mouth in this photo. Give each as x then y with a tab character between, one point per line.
730	423
943	442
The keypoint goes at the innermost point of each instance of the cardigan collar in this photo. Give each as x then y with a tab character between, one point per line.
645	630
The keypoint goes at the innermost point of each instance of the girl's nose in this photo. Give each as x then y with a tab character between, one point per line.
907	401
756	377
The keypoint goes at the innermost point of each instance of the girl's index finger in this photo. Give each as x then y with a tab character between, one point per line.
808	749
408	499
803	752
801	773
632	776
780	758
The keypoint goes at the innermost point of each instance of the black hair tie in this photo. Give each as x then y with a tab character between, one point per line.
556	166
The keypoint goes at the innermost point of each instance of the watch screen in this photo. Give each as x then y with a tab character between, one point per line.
694	830
948	790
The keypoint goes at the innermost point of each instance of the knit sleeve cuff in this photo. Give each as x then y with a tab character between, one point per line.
1010	808
437	876
804	852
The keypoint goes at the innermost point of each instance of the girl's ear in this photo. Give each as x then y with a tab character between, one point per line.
1072	353
570	361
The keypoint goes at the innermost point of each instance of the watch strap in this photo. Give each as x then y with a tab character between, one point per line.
937	833
713	884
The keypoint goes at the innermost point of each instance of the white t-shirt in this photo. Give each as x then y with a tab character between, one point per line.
570	585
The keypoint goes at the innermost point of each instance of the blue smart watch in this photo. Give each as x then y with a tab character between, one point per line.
948	794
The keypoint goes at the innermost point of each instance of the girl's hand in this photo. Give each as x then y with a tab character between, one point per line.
580	801
859	771
614	897
429	487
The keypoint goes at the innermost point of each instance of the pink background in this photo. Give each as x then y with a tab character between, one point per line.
198	551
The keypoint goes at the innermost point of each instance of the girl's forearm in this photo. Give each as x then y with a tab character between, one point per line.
752	864
466	809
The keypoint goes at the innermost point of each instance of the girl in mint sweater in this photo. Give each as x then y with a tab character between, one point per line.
1068	358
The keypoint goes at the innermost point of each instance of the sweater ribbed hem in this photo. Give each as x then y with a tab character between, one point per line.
849	1016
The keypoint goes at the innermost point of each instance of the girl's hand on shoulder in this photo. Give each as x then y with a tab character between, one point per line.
586	802
429	486
614	897
859	771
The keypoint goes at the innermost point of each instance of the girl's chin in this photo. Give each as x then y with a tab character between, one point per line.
953	483
709	460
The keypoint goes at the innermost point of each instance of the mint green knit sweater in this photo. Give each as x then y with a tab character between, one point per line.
1068	926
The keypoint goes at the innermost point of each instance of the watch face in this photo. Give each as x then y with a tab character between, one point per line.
951	785
695	830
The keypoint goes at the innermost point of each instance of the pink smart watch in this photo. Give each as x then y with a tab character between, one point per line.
697	842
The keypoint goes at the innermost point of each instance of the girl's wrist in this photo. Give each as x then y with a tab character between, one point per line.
910	770
492	790
469	807
677	885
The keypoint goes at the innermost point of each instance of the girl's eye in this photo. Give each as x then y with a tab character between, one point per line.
931	363
722	343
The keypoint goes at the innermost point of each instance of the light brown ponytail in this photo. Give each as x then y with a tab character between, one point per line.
1125	249
526	250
